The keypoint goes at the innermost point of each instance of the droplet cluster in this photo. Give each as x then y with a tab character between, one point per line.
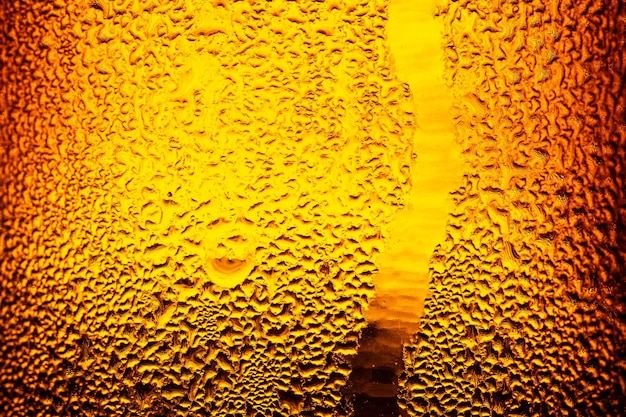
526	311
193	196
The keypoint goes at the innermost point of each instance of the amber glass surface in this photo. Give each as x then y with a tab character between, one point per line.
312	208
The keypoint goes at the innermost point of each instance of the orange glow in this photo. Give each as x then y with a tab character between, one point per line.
312	208
415	40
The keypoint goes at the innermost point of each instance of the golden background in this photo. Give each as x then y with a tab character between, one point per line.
312	208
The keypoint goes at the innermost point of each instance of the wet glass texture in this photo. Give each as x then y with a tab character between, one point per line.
312	208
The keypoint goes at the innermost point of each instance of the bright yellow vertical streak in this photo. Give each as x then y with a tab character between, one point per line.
414	36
